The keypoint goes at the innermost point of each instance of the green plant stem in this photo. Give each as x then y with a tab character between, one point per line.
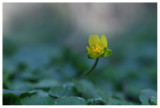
90	70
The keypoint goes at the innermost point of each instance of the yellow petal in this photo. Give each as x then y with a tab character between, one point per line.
94	39
104	41
88	49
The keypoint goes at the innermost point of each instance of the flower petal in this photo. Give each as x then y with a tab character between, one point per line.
88	49
104	41
94	39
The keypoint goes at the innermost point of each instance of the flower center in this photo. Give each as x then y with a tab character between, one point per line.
97	49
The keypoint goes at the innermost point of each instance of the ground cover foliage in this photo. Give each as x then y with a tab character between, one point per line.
46	75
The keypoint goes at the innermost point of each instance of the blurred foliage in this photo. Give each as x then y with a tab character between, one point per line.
148	97
44	75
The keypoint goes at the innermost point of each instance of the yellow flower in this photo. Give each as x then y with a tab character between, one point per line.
98	47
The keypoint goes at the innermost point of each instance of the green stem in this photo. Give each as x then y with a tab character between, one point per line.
90	70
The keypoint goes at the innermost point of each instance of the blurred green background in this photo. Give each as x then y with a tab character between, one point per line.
44	46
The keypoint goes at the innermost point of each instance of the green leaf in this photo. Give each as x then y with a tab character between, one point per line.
10	99
113	99
70	101
41	93
18	93
153	100
59	91
37	100
86	89
95	102
46	84
148	97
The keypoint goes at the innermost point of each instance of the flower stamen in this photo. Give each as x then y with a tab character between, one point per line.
97	49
